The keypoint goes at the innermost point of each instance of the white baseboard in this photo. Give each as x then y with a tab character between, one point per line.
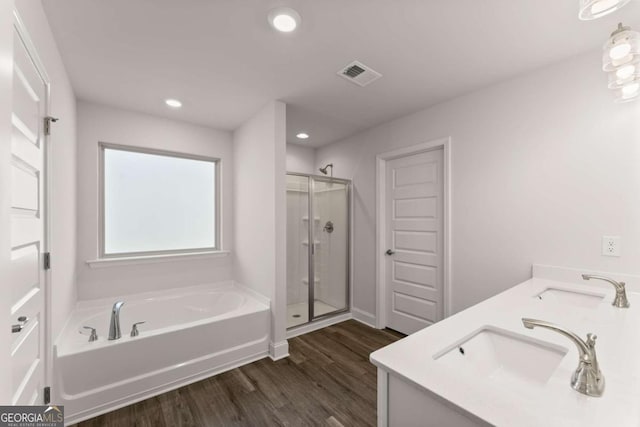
278	350
364	317
319	324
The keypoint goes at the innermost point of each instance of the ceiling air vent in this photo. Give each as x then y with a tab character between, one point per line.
359	74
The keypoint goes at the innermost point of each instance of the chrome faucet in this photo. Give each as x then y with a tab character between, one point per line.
114	325
587	378
620	300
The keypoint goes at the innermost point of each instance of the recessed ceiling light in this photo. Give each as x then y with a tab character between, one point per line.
173	103
302	135
593	9
284	19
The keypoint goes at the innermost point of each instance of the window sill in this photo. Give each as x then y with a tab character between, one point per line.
153	259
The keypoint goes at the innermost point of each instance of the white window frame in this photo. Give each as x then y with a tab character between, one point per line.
102	255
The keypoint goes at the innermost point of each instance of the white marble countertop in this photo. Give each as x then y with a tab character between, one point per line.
554	403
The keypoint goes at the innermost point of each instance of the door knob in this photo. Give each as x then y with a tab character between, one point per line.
390	252
22	320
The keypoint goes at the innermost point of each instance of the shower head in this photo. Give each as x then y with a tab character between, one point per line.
324	169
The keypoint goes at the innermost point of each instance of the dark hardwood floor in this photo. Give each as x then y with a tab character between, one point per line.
327	381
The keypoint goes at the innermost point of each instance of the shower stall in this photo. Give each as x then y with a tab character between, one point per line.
318	234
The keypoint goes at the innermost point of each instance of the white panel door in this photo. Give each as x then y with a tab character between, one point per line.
27	280
414	238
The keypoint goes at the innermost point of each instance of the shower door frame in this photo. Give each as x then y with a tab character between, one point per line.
311	179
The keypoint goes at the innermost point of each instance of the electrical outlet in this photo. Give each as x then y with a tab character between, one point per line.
611	246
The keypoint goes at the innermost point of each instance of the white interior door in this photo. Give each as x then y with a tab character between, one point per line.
415	241
27	279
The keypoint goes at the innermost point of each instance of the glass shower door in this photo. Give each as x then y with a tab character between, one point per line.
330	251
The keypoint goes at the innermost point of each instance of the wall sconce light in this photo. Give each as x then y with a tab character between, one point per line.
621	60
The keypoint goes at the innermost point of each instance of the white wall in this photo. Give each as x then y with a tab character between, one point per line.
6	76
97	123
63	166
301	159
543	166
260	211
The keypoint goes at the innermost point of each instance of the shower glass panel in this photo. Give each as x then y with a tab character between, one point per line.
330	261
317	247
297	255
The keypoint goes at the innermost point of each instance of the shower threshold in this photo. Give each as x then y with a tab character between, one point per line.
298	314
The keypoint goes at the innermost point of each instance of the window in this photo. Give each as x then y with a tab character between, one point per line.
157	202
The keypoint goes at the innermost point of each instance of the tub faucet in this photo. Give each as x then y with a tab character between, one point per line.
587	378
620	300
114	325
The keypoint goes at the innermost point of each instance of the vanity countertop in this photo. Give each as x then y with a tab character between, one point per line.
553	403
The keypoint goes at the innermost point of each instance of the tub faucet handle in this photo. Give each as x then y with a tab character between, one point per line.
134	329
94	336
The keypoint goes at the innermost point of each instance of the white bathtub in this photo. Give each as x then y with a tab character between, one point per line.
189	334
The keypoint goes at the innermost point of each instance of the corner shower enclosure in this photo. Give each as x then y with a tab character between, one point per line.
318	222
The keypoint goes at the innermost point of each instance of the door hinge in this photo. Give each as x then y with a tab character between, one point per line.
47	260
47	395
47	124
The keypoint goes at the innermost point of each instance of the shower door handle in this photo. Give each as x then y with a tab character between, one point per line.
390	252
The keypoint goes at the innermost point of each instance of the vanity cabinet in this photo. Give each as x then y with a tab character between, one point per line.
403	404
512	359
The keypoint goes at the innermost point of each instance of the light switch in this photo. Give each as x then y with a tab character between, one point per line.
611	246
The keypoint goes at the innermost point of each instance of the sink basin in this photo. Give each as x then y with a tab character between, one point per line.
574	298
502	356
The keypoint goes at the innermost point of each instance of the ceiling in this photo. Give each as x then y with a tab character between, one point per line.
224	62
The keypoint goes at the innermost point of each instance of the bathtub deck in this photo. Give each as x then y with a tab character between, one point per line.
328	380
